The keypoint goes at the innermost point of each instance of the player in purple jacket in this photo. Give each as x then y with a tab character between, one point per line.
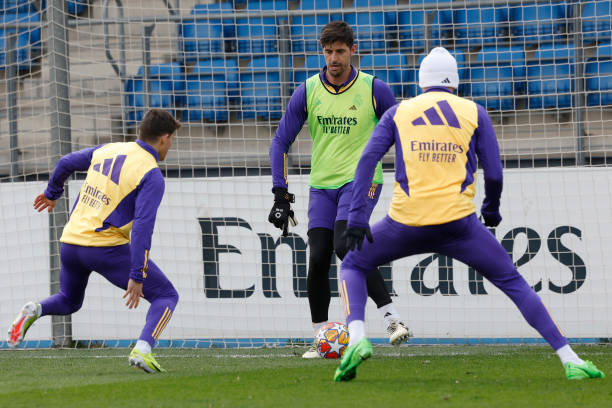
121	194
438	138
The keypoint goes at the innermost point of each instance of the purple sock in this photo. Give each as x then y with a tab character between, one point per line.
354	293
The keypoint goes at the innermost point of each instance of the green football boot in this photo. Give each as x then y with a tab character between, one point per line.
351	358
144	361
581	371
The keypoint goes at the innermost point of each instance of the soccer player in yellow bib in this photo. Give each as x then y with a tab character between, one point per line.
438	138
341	105
121	194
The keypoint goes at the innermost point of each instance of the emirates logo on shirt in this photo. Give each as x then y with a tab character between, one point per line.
93	197
336	124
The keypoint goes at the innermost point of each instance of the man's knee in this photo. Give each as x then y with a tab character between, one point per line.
349	262
320	242
73	304
165	291
173	294
320	261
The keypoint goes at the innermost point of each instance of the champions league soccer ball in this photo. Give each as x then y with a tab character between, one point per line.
331	340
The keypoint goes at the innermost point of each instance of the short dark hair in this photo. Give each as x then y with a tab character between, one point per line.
337	31
155	124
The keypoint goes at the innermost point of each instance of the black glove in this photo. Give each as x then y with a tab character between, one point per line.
491	219
281	213
354	237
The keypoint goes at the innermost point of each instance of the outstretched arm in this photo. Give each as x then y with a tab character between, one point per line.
75	161
148	199
487	150
383	137
383	97
150	193
41	203
381	140
288	128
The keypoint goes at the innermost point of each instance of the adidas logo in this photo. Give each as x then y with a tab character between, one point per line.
353	107
446	81
387	314
434	118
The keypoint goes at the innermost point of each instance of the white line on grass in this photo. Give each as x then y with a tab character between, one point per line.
377	352
26	356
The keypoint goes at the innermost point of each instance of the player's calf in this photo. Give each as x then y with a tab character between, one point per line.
28	315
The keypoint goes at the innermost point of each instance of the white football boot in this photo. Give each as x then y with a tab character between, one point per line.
311	353
398	333
21	324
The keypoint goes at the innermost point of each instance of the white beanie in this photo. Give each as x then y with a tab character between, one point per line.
439	68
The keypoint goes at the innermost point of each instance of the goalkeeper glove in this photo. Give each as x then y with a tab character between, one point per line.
491	219
281	213
354	237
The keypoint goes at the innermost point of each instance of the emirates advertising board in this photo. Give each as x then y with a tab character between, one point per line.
239	278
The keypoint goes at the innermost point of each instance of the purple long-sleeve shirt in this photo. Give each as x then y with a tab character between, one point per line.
296	114
140	206
384	136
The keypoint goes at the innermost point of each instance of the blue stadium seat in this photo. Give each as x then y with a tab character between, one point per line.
208	88
305	30
604	51
17	6
596	18
167	90
23	53
205	36
476	26
390	17
369	27
28	39
390	68
537	22
550	77
497	74
598	72
74	7
599	83
260	89
312	66
258	35
413	74
492	87
412	25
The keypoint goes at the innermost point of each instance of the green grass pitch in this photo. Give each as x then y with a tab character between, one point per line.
411	376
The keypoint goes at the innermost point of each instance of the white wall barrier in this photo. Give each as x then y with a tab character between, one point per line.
236	279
